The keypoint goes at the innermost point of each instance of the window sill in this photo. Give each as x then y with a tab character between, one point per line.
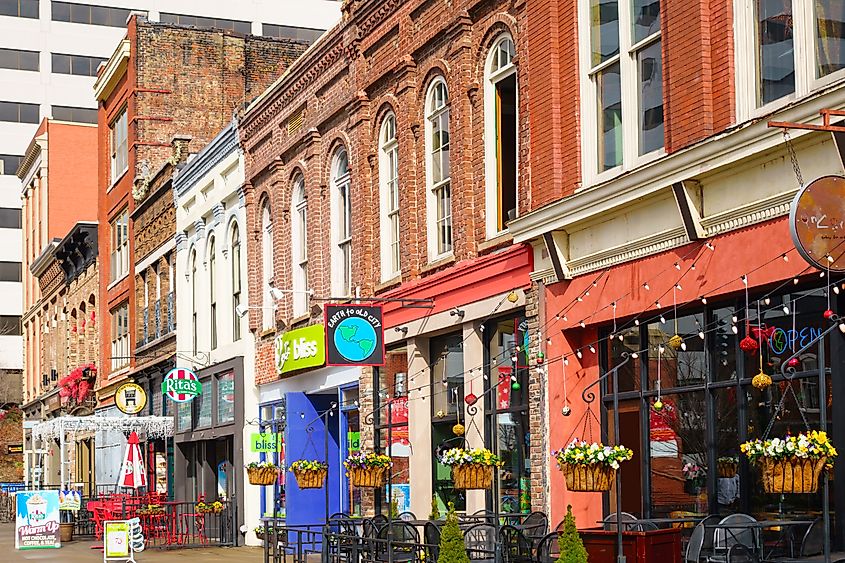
300	319
387	284
613	173
266	332
115	282
438	263
500	239
116	180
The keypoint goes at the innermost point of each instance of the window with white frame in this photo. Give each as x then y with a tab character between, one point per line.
625	66
120	337
212	291
120	246
267	306
438	170
194	288
342	231
786	48
299	246
236	282
501	144
119	146
389	190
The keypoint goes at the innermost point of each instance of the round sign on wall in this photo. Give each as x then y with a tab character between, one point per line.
130	398
181	385
817	223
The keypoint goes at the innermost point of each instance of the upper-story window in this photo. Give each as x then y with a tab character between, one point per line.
342	231
17	59
120	245
438	170
92	15
625	68
786	48
193	263
119	146
236	282
267	307
212	290
299	246
19	8
501	130
120	337
389	191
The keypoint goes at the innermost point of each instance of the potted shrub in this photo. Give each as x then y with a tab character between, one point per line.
452	547
310	474
792	464
367	469
590	467
262	472
727	466
471	469
572	549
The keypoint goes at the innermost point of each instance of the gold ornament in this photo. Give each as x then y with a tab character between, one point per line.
675	342
513	297
458	429
658	405
761	380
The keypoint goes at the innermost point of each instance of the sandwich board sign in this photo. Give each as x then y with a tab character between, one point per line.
37	520
116	546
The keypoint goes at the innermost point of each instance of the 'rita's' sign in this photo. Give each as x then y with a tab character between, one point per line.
181	385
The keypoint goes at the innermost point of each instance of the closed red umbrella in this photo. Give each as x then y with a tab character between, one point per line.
132	473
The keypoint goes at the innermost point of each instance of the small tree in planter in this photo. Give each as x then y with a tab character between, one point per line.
435	509
792	464
452	548
471	469
572	549
310	474
367	469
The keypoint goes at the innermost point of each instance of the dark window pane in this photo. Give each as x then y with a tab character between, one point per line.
604	21
776	54
61	64
119	17
650	68
205	22
100	15
76	115
10	325
681	367
610	117
8	111
80	13
10	271
646	18
168	18
10	163
10	218
29	8
9	58
29	60
61	11
8	7
243	27
830	26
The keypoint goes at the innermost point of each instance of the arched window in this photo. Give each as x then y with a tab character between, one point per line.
501	136
342	224
212	291
299	241
439	175
389	190
193	263
236	282
268	309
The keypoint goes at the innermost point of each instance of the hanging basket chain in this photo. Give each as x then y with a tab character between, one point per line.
779	410
794	158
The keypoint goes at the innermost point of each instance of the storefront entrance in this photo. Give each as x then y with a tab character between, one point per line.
209	469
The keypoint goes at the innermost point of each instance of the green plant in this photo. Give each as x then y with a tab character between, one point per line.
435	509
583	453
813	445
478	456
571	547
308	465
452	548
394	509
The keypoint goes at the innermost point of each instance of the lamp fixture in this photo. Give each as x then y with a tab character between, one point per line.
457	313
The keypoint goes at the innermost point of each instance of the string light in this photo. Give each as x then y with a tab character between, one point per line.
785	257
587	293
592	349
767	300
583	324
710	246
830	258
657	304
662	320
580	299
646	286
678	286
821	274
637	322
678	266
634	355
734	318
744	279
703	300
578	353
701	334
836	289
795	281
734	329
785	310
684	345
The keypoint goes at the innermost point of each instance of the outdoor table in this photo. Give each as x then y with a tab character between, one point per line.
759	525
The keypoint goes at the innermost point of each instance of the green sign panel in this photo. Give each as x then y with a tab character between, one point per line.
354	441
301	348
266	443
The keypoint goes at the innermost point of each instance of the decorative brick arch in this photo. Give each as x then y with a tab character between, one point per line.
503	24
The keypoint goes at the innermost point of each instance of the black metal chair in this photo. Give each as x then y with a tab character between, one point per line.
480	542
734	544
535	527
626	520
431	537
399	540
695	544
379	519
339	516
514	545
812	543
407	516
548	550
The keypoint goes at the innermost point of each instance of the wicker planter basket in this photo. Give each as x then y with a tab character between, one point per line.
310	478
472	476
588	478
260	535
368	476
727	469
262	475
791	476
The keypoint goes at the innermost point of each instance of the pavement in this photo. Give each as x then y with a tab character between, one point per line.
81	552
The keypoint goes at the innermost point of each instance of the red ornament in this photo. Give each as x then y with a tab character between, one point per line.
749	346
470	399
793	363
828	314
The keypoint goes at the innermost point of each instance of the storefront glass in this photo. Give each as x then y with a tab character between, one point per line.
202	404
391	421
447	391
226	397
272	421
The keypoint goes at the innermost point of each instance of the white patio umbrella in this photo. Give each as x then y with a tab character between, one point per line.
132	473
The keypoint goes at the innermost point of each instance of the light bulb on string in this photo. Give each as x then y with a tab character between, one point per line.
634	355
734	329
595	283
662	320
621	338
592	349
795	281
821	274
703	300
684	346
566	360
579	353
767	300
587	293
734	318
701	334
785	257
836	289
637	322
842	328
583	324
565	319
646	286
678	266
692	267
657	304
785	310
710	246
678	286
579	299
744	279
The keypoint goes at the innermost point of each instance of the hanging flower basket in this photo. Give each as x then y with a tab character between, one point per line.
727	467
792	464
471	469
262	473
590	467
309	474
367	469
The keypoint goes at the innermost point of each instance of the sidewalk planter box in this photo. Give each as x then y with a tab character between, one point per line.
639	547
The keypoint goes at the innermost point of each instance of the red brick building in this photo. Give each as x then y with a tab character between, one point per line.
386	164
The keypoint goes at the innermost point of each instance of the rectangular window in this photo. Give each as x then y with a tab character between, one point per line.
10	218
303	34
119	146
183	414
775	50
17	59
120	337
202	404
830	30
447	391
78	65
120	246
390	400
506	149
207	23
19	8
10	325
10	271
9	163
650	90
226	398
75	115
92	15
16	112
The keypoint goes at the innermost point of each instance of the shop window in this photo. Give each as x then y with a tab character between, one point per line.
501	134
438	170
184	415
202	404
272	422
682	366
389	188
225	398
447	393
341	205
391	421
299	242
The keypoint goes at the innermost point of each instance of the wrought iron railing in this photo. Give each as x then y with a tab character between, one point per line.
158	326
171	312
145	336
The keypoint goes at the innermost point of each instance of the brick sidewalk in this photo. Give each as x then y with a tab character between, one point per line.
80	551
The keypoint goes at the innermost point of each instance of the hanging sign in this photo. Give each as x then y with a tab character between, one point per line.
301	348
266	442
14	448
354	335
37	520
130	398
817	223
70	500
181	385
